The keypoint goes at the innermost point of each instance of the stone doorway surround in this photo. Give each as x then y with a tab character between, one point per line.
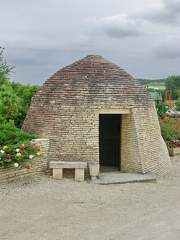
119	112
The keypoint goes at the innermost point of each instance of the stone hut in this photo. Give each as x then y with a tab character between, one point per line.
94	111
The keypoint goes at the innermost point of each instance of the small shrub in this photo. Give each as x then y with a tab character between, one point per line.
9	134
173	144
170	128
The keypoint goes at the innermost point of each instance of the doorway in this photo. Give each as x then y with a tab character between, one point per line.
109	140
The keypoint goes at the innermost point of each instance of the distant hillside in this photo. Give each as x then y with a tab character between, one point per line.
148	81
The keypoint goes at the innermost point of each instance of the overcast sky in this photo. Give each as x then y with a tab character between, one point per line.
42	36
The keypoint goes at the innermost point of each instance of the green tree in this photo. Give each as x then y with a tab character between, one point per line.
173	83
5	69
24	94
8	100
15	98
9	107
177	104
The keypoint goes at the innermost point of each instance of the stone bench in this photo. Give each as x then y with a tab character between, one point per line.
58	167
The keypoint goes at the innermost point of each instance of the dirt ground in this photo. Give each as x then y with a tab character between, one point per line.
40	207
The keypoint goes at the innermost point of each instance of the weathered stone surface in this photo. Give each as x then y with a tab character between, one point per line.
94	170
79	175
174	151
58	164
57	173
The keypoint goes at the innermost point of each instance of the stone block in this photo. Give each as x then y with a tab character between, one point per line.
57	173
79	175
94	170
60	164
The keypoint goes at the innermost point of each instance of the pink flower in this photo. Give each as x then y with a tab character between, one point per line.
8	155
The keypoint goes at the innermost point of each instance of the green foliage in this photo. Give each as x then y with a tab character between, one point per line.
148	81
9	134
15	98
178	105
9	107
170	128
8	99
24	94
173	83
5	69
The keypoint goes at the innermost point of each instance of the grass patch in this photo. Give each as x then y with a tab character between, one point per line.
156	85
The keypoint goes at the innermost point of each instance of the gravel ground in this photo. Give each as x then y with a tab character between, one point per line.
40	207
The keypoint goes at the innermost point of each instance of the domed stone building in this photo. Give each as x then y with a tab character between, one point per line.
93	111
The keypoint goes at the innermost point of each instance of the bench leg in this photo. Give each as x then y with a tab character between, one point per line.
79	175
57	173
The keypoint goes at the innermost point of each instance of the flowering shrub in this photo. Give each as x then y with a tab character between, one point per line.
18	154
170	128
173	144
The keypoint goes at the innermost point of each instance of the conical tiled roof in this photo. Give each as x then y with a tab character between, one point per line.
96	77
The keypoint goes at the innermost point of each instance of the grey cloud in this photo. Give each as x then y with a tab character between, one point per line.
35	66
167	47
137	22
43	36
122	32
166	13
119	26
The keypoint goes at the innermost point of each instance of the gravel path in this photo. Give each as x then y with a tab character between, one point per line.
39	207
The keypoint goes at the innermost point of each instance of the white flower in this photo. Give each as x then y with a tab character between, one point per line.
17	150
16	164
2	151
31	156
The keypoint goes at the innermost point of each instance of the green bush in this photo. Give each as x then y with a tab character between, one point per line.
178	105
170	128
9	134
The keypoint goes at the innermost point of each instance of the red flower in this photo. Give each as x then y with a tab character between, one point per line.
28	166
22	147
8	155
38	149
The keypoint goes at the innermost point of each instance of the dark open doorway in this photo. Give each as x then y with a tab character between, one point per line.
109	140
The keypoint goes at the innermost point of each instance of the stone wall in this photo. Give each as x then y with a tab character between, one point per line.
39	165
143	148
